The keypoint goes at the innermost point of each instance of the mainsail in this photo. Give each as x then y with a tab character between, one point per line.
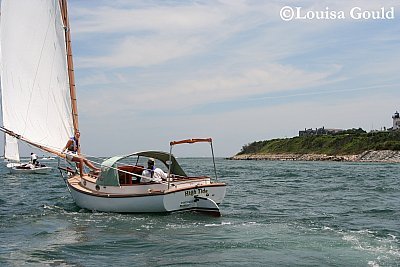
36	100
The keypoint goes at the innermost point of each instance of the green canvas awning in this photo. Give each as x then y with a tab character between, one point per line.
109	172
109	167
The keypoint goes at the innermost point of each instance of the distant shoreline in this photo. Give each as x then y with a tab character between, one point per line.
367	156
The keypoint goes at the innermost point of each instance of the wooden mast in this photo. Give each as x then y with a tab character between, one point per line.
71	75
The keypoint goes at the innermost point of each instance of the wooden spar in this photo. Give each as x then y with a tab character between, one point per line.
190	141
71	75
185	141
20	137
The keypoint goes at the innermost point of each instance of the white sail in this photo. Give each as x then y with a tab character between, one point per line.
11	151
34	78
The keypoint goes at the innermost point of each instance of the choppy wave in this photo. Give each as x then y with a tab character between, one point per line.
274	214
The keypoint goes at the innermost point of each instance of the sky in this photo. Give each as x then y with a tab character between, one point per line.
148	72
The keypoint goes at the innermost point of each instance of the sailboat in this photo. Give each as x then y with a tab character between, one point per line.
11	156
40	108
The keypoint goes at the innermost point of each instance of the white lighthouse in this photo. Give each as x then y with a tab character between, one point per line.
396	121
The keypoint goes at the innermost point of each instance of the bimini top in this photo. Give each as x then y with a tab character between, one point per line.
109	167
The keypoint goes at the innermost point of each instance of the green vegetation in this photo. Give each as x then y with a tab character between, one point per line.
350	142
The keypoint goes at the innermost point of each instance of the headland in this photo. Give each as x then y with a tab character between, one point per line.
353	145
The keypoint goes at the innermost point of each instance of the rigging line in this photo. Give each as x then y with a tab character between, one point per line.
92	161
110	167
86	155
36	73
326	92
123	171
61	151
98	163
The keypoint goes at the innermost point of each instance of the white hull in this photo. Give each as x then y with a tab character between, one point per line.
38	170
199	195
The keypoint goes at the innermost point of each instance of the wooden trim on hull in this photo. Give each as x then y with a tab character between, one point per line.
195	187
139	200
154	193
105	195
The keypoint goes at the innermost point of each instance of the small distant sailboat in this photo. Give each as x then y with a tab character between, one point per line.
11	156
29	168
37	77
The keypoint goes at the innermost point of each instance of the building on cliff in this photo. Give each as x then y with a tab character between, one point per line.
396	121
319	131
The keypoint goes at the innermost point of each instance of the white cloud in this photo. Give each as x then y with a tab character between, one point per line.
147	18
172	58
155	34
206	88
143	51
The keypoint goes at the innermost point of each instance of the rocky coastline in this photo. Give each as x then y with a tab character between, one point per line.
367	156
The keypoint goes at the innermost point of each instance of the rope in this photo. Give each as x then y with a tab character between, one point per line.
111	167
37	145
119	170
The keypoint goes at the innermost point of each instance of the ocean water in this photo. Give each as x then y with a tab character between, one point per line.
274	214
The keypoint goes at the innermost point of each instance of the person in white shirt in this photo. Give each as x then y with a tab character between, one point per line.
33	158
154	174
